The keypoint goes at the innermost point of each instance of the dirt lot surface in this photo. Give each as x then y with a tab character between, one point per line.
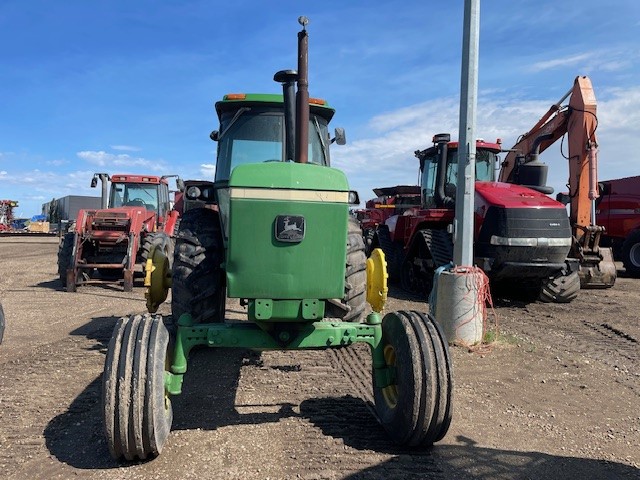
558	396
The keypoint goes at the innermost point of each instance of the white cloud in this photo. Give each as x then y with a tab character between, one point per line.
610	60
57	163
388	158
561	62
125	148
208	170
104	159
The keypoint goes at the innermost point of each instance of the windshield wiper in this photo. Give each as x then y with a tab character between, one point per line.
233	120
324	148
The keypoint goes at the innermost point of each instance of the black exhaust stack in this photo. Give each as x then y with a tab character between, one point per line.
302	96
288	78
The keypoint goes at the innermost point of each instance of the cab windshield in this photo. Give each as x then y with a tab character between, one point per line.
257	135
485	162
134	195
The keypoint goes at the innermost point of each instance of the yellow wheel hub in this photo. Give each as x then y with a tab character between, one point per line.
377	280
157	279
390	392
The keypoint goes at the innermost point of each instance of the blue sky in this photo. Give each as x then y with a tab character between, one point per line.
129	86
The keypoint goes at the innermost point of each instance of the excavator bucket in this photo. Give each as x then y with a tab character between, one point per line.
597	269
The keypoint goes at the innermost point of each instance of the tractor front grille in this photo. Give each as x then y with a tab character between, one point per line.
111	221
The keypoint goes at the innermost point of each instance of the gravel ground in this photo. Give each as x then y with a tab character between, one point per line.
556	396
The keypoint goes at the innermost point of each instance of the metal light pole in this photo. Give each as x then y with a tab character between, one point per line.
463	224
459	305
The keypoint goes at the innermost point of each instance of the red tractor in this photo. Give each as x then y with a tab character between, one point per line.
389	201
618	211
522	236
115	240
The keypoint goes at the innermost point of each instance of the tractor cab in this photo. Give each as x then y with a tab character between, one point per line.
149	192
439	169
252	130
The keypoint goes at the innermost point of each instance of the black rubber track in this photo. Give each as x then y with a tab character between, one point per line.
393	252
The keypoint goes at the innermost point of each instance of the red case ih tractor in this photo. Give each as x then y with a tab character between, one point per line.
522	237
618	211
114	240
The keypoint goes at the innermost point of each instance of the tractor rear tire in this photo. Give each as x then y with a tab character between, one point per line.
353	303
136	409
631	254
560	289
416	408
198	281
65	256
159	240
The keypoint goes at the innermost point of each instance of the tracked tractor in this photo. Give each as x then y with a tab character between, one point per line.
283	244
111	244
521	237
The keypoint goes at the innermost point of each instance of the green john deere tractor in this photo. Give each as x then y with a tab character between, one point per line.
278	236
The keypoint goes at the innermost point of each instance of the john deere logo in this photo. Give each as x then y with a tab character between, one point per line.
289	228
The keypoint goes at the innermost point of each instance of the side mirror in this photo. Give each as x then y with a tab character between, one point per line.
603	188
214	135
563	198
340	138
180	184
94	182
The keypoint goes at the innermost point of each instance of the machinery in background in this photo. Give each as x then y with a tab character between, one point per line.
521	236
389	201
521	166
618	211
114	241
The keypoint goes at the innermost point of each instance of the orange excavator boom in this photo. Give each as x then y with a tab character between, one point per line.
579	121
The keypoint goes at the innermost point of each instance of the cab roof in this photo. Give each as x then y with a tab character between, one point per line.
233	101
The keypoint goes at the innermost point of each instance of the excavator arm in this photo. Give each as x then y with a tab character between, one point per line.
579	122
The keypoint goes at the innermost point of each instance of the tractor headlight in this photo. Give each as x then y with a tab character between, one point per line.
193	193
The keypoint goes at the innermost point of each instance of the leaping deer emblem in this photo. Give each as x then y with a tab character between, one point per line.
290	227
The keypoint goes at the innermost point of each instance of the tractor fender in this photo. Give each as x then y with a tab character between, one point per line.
170	223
